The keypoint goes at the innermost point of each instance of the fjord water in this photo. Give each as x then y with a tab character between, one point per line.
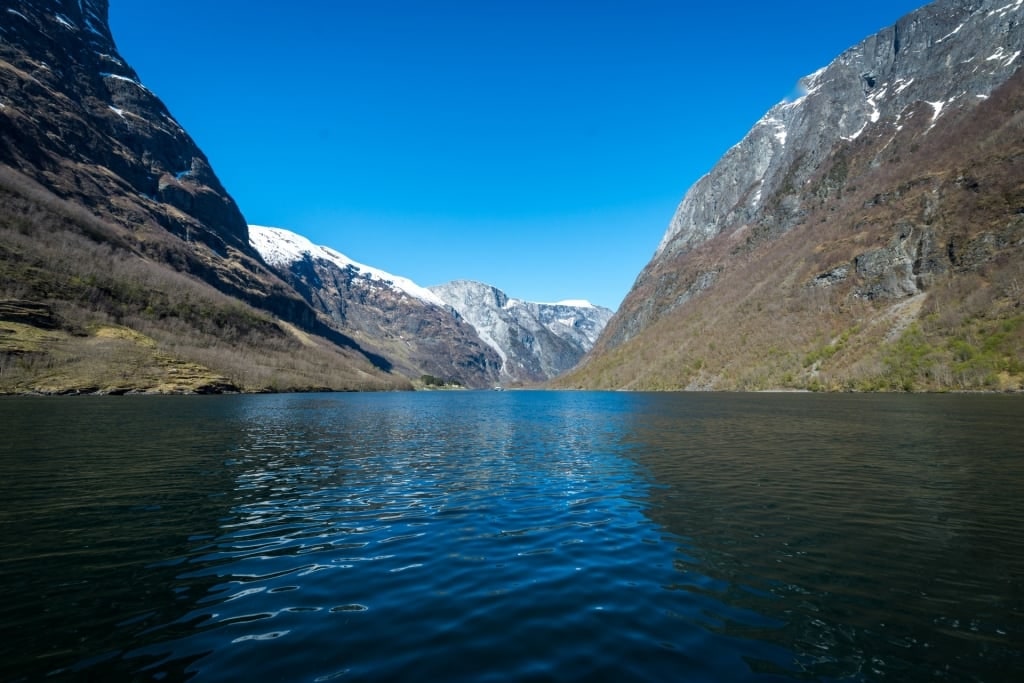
513	536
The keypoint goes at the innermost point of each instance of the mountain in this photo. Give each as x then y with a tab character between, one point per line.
124	263
866	235
411	325
125	266
78	121
464	331
536	341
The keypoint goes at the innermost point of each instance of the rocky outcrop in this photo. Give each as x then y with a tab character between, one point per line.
536	341
28	313
945	58
890	272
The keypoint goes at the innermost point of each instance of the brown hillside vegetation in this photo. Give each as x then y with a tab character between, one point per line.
89	306
113	221
906	272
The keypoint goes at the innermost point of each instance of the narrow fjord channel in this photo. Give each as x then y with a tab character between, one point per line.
513	536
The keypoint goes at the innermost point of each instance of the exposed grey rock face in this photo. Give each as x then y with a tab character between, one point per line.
869	88
888	273
415	329
536	341
761	186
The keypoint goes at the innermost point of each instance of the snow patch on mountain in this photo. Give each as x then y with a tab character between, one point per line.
1003	11
575	303
280	247
64	21
126	79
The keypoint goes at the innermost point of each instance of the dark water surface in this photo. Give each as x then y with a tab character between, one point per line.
512	536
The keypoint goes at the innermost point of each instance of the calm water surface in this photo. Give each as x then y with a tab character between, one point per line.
512	536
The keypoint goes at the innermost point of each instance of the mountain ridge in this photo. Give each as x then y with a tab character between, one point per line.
536	341
429	330
106	130
871	84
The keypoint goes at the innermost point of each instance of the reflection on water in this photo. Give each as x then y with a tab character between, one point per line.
513	536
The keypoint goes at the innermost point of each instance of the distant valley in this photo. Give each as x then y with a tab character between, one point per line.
866	235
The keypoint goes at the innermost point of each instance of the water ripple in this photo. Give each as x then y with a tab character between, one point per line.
521	536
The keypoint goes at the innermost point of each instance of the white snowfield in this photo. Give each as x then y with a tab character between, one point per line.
280	247
575	303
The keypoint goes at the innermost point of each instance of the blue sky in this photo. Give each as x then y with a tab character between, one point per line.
537	145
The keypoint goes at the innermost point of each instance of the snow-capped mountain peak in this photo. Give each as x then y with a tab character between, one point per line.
280	248
469	331
535	340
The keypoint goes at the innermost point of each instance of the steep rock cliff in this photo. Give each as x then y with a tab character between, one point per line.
948	56
76	119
